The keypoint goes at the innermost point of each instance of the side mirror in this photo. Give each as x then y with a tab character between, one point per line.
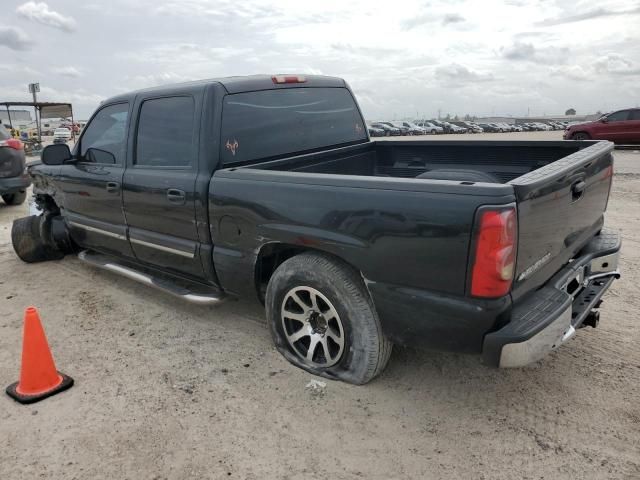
604	120
56	154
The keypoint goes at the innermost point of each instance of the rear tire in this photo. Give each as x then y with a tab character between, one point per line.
580	136
32	240
17	198
317	303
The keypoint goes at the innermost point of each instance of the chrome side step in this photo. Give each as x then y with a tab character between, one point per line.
112	265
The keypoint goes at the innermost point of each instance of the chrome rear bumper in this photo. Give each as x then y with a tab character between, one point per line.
549	317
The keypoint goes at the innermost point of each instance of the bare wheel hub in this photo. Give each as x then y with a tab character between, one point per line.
318	323
312	327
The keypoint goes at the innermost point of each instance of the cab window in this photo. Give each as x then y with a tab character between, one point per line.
104	139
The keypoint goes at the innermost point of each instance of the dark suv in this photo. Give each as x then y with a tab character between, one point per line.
13	179
622	126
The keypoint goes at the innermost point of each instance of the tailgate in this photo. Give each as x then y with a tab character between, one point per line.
560	208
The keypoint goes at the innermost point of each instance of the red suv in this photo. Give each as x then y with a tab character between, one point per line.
622	126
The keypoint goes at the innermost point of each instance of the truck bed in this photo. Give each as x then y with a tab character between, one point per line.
503	160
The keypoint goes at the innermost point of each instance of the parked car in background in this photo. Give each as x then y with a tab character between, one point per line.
403	130
414	129
457	128
489	127
622	126
446	127
431	128
375	132
13	179
388	129
470	126
61	135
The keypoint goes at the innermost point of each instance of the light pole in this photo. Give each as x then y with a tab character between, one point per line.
35	88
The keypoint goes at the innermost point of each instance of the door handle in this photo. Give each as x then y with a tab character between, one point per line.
577	189
176	196
113	187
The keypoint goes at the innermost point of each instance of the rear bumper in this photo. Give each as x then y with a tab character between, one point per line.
14	184
548	317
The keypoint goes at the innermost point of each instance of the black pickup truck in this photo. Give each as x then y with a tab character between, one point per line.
270	188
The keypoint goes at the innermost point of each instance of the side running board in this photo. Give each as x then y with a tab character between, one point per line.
112	265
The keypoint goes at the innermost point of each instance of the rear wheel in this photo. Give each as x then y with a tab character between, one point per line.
433	132
17	198
322	319
580	136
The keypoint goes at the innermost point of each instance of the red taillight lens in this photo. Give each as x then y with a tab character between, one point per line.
495	254
12	143
288	79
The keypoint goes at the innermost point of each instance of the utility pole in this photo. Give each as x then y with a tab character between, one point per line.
35	88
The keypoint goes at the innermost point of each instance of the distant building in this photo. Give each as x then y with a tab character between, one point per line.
18	117
558	118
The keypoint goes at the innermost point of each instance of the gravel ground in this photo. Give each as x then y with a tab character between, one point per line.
170	390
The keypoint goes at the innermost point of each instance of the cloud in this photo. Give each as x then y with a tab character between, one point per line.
452	18
572	72
14	38
40	13
597	13
456	74
426	19
615	64
519	51
527	52
69	71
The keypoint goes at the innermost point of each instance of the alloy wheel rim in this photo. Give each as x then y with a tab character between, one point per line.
312	327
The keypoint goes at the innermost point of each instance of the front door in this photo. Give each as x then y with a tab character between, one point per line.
159	184
614	127
91	186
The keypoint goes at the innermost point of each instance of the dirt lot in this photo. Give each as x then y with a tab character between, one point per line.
170	390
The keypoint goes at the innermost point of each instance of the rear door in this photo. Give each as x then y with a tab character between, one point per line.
560	207
91	186
632	134
159	183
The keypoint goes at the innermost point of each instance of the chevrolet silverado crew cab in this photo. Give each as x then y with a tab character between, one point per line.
270	188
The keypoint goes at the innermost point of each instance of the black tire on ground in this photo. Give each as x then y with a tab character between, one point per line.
580	136
17	198
336	299
31	239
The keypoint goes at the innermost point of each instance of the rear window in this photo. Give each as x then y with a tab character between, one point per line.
272	123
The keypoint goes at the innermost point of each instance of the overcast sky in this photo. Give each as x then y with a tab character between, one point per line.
402	58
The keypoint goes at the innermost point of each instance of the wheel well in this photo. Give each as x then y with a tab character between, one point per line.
272	255
581	131
47	203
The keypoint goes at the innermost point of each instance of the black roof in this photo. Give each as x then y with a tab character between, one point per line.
240	84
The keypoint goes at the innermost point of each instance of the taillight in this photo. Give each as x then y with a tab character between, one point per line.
12	143
288	79
495	252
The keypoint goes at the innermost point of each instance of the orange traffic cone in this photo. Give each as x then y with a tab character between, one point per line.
39	378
